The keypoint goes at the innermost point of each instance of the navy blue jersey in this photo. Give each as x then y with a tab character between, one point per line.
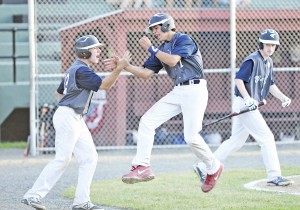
78	86
245	71
60	88
189	67
257	75
85	78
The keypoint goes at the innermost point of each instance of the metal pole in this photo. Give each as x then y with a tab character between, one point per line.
32	60
14	54
232	45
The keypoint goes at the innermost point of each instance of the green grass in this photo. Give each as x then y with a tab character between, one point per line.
13	145
182	191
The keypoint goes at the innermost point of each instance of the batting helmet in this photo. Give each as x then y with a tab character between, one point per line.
166	21
84	43
268	36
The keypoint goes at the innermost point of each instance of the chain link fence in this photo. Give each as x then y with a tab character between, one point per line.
114	115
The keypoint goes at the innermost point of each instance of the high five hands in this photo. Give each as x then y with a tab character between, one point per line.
117	62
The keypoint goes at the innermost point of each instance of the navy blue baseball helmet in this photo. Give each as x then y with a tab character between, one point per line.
268	36
166	21
84	43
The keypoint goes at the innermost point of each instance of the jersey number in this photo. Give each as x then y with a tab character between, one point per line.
66	83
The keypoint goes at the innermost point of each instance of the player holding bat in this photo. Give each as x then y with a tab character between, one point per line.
254	81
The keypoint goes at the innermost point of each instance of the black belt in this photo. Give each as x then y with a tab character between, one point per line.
189	82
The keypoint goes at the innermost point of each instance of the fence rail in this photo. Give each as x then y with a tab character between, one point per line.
285	123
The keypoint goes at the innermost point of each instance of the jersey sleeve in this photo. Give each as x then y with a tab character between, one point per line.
184	46
153	63
87	79
60	88
245	71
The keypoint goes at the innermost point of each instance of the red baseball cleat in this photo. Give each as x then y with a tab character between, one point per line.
211	180
138	174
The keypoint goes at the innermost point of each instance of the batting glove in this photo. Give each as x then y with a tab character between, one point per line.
251	103
286	102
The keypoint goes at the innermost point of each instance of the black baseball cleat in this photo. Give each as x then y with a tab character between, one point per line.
200	173
33	202
280	181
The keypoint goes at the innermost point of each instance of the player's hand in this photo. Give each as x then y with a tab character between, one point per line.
145	43
124	61
110	63
285	102
251	103
116	62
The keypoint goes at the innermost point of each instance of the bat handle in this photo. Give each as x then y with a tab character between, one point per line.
263	102
246	109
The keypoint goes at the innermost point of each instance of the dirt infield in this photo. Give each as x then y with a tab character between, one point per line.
261	185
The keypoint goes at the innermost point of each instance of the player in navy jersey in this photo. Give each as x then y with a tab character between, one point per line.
254	81
180	56
72	136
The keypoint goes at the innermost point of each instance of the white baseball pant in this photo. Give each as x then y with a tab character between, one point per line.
191	100
254	124
72	136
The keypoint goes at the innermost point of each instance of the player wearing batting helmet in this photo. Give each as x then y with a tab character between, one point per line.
180	56
72	135
254	81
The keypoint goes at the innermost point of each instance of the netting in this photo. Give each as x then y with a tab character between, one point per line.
114	115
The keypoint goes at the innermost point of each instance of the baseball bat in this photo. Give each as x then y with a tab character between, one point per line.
261	103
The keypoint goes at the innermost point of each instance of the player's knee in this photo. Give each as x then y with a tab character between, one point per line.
63	161
96	157
146	123
91	158
269	136
193	140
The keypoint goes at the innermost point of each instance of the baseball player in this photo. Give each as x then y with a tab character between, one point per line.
180	56
72	135
254	81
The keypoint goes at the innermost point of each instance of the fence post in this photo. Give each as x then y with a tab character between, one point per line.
232	45
32	62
